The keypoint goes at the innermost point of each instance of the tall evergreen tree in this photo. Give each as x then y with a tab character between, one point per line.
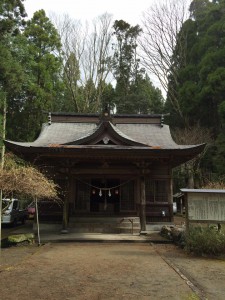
12	14
12	22
201	80
134	93
42	67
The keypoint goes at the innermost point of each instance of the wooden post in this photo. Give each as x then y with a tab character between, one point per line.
186	212
142	204
38	225
66	207
65	216
170	200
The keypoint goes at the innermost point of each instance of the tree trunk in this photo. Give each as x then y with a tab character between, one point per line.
37	218
2	160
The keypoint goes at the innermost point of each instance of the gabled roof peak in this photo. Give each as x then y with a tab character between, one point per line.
104	133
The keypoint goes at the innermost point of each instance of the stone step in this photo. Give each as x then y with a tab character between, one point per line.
86	224
99	219
104	225
104	230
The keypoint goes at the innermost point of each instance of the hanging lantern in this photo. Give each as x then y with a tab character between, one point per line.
100	193
93	191
116	191
109	193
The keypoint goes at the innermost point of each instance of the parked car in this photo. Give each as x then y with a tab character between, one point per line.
47	210
31	210
11	212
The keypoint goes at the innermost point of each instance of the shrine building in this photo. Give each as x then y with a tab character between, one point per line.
110	168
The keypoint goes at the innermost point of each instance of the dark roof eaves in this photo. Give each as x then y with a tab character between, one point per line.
12	144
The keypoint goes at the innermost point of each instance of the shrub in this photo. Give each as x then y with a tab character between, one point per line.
205	240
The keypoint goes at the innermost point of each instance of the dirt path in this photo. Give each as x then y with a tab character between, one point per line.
207	274
92	271
108	271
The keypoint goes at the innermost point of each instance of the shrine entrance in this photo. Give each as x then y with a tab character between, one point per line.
105	195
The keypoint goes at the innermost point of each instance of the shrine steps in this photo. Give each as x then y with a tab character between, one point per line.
105	225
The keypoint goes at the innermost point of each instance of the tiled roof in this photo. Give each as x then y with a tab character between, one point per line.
153	135
149	134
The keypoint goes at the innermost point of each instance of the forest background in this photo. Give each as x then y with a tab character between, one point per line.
55	63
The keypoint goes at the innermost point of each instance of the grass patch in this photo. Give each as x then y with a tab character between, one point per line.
192	297
205	241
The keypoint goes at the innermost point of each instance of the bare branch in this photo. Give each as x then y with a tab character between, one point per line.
161	25
27	180
91	46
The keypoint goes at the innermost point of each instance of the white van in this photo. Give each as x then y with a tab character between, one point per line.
11	212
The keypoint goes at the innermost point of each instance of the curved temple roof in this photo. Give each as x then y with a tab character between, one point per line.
85	131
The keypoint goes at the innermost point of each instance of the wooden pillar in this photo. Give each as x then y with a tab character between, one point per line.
187	223
170	196
65	216
66	206
142	204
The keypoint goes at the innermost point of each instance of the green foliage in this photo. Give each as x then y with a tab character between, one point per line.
39	55
219	157
200	83
33	82
199	8
108	96
12	21
134	92
205	240
44	48
12	14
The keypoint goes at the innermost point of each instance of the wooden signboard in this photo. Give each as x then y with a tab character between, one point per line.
204	206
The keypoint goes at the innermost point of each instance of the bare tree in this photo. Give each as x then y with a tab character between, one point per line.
73	40
26	180
86	58
161	25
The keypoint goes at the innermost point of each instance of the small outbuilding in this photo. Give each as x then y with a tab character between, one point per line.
110	166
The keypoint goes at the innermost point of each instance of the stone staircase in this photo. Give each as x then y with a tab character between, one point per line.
125	225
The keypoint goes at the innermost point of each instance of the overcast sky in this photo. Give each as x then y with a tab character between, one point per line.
128	10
